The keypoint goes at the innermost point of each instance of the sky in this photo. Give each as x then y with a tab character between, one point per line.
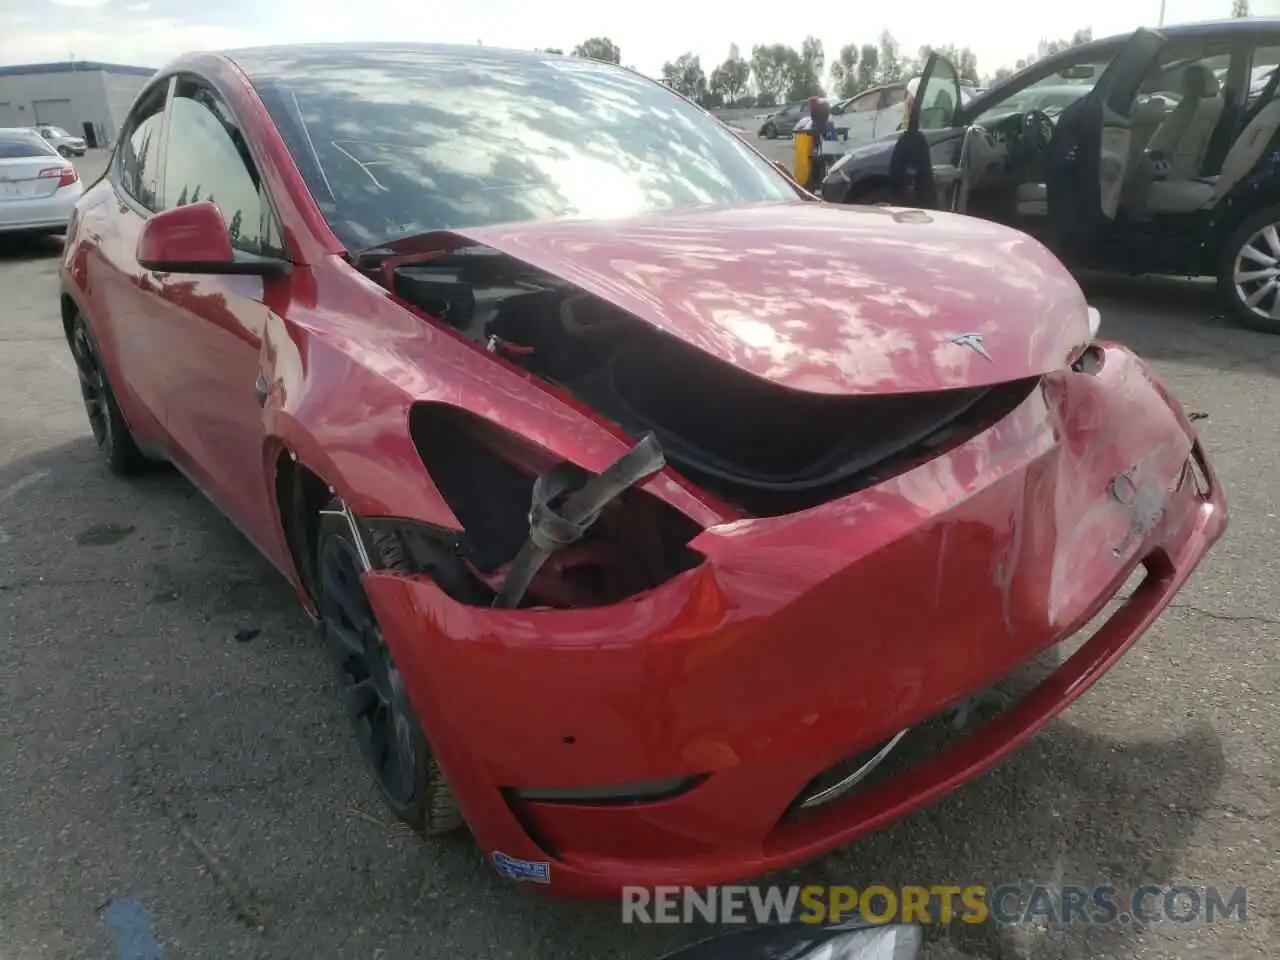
150	32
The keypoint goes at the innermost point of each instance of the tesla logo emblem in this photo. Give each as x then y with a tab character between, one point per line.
974	342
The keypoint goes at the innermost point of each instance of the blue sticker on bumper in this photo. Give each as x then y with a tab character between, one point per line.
536	871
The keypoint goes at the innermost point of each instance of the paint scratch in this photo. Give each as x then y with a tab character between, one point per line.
134	933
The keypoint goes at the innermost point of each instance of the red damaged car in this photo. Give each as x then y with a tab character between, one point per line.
646	502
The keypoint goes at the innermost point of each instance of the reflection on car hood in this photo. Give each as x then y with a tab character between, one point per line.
822	298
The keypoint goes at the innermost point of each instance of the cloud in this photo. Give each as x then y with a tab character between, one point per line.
97	35
151	32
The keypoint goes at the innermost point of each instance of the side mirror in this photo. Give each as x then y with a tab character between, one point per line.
193	238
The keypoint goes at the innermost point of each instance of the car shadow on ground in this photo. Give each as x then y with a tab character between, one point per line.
17	248
1180	321
1075	806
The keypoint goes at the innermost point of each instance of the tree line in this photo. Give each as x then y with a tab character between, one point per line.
777	73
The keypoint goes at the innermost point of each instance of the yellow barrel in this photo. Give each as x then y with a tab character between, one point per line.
803	164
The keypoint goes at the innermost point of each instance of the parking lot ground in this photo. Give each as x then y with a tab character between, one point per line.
173	761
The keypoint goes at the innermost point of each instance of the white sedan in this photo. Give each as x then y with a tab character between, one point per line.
38	188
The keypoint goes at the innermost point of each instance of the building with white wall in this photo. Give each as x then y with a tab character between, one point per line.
86	98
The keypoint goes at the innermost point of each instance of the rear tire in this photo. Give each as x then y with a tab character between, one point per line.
391	738
110	432
771	132
1249	271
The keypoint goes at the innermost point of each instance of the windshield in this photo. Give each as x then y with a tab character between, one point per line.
56	132
400	140
16	145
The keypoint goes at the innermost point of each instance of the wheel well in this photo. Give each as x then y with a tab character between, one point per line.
300	496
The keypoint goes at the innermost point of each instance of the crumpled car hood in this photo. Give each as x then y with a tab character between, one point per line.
822	298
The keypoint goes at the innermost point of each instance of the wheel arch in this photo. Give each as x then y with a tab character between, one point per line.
300	494
303	477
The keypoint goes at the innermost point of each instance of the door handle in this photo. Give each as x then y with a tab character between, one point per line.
260	389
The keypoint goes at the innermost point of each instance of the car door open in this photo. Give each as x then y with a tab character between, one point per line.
1088	156
917	180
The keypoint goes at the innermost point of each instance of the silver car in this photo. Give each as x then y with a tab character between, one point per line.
65	143
38	188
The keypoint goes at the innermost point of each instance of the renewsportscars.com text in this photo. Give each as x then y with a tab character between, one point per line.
938	904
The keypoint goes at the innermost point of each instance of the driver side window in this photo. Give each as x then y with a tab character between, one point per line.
206	158
138	163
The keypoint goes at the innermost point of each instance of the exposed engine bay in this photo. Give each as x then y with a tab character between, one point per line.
537	533
762	448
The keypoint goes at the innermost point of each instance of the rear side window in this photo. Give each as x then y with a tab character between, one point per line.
139	164
15	146
206	158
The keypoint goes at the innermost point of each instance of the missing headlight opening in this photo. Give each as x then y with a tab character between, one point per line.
765	449
622	540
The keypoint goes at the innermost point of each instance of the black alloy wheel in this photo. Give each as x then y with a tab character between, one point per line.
377	705
110	432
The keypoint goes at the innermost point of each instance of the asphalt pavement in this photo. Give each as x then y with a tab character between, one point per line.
176	778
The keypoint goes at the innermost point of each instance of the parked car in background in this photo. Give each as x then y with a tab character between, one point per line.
1148	164
873	113
67	144
781	122
38	187
870	114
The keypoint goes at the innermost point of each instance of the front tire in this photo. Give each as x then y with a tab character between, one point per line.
771	132
110	432
66	152
386	726
1249	271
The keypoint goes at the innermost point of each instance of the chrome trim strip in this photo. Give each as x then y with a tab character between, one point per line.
853	779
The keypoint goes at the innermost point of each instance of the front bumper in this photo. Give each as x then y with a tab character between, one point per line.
803	640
